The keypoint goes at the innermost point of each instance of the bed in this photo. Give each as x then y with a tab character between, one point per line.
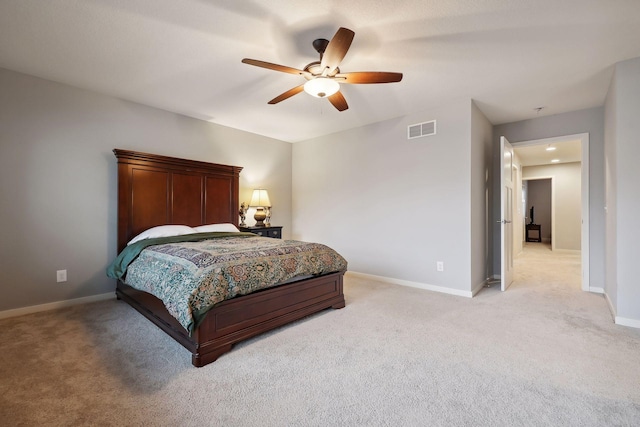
155	190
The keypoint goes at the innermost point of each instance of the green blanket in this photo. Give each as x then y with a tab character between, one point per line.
118	267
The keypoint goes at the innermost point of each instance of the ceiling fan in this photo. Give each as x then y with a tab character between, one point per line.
324	77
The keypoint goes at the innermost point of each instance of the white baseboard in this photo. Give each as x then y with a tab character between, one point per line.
54	305
442	289
632	323
596	290
623	321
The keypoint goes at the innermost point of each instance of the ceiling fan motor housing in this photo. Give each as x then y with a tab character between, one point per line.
315	68
320	45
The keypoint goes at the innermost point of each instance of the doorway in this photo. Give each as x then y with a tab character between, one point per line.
537	202
582	140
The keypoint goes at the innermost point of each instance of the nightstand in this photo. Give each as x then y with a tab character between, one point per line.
534	234
271	231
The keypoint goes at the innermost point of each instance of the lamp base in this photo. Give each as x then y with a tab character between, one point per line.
260	216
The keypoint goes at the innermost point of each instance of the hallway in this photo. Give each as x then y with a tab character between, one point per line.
539	267
550	282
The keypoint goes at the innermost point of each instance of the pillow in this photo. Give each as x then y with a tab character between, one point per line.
163	231
216	227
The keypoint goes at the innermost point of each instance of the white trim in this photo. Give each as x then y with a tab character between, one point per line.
623	321
584	145
584	140
419	285
596	290
54	305
632	323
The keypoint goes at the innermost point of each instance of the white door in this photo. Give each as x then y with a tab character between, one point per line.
506	221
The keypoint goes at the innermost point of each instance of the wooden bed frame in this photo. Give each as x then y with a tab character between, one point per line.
155	190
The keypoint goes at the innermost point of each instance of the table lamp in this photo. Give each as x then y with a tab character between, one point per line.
260	200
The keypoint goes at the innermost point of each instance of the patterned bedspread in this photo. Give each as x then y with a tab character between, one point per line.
191	277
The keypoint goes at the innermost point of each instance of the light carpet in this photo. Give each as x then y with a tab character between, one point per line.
542	353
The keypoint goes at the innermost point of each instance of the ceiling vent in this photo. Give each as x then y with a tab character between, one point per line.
421	129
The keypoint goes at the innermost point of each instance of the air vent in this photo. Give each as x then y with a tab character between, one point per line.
421	129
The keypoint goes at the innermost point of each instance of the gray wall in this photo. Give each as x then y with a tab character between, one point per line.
394	207
575	122
58	180
623	196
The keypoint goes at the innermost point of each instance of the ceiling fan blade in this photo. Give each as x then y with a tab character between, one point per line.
288	94
275	67
365	77
337	49
338	101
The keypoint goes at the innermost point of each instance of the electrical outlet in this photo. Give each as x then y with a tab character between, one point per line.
440	266
61	276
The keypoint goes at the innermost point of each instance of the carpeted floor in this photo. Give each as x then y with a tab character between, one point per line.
542	353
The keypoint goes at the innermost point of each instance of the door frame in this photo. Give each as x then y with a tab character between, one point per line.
519	233
584	194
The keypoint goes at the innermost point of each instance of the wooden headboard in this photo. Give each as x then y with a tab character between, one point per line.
156	190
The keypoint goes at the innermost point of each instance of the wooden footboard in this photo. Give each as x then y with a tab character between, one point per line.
242	317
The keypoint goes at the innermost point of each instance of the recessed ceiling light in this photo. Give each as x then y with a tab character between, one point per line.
555	160
550	148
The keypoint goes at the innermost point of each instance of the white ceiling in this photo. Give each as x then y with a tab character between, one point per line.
510	56
543	154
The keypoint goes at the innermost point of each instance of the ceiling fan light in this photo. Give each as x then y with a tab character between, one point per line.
321	87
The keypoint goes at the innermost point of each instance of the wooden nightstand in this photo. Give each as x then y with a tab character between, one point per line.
271	231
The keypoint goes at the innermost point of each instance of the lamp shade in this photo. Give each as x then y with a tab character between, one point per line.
321	87
260	198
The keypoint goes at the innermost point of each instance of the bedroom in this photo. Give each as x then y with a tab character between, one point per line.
56	143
